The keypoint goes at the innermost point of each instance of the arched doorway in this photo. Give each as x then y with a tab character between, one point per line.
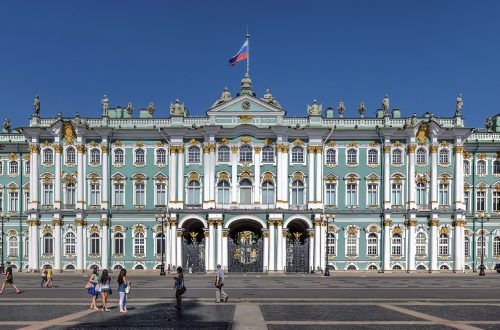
297	247
193	246
245	247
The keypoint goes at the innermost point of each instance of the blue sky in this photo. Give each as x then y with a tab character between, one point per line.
421	53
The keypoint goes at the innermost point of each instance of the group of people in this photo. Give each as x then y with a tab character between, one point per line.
47	279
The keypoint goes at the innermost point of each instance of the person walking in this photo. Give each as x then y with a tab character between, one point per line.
91	288
179	287
105	288
122	290
43	274
9	279
49	283
220	294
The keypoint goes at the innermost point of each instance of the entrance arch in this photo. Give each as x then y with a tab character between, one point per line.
245	246
297	246
193	246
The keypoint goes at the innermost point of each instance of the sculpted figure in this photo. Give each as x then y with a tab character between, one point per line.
341	109
7	125
314	109
151	108
36	105
130	108
225	97
489	124
460	104
362	109
105	105
268	97
177	109
385	104
414	119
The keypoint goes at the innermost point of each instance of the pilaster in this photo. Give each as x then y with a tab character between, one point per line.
105	241
319	177
180	176
410	227
57	174
311	181
411	175
57	222
434	184
257	182
387	244
387	176
434	223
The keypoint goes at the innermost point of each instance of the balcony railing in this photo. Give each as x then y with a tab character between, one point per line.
424	207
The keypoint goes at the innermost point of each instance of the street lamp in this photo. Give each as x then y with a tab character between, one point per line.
482	219
162	217
3	218
329	220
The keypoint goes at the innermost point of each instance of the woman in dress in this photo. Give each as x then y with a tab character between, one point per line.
93	280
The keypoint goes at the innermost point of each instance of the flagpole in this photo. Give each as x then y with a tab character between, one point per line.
248	57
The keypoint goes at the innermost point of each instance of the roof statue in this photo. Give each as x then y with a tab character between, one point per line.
59	115
385	104
314	109
151	108
341	109
130	108
460	104
225	97
77	120
177	109
36	105
246	85
7	125
413	119
268	98
489	124
362	109
105	105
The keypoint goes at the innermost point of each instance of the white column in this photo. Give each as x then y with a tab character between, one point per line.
31	257
219	242
257	183
387	245
434	241
57	175
207	247
105	177
458	246
279	238
310	174
323	246
284	181
80	196
459	178
105	236
234	175
57	243
172	175
271	245
211	247
411	176
225	235
412	249
34	174
387	178
462	245
79	244
180	176
283	249
319	177
34	243
212	175
279	188
173	241
317	247
168	245
265	234
206	176
179	248
311	250
434	184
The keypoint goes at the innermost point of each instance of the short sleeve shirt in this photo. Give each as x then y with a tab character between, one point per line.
220	274
9	272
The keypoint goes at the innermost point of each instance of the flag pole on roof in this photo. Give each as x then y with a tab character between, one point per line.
243	54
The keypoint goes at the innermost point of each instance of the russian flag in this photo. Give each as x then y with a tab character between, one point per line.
241	55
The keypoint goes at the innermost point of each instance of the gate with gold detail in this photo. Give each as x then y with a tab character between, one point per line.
193	252
297	252
245	252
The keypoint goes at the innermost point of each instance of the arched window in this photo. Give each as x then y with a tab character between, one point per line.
14	167
194	191
267	192
140	156
444	267
268	154
467	246
161	156
396	267
421	267
331	156
223	192
69	267
48	244
351	267
48	156
70	155
95	156
372	157
352	156
297	193
13	246
443	245
421	198
95	243
496	246
70	195
70	244
139	247
372	267
160	243
331	248
372	244
421	156
246	153
352	245
396	245
496	167
119	156
331	194
481	167
223	154
397	157
245	192
194	155
444	156
119	244
466	168
139	267
421	244
297	154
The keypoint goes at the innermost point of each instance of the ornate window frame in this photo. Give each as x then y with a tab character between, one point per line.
44	154
377	157
348	161
401	155
227	150
95	157
444	152
156	156
137	162
296	149
113	160
140	178
350	232
418	161
160	178
335	157
67	161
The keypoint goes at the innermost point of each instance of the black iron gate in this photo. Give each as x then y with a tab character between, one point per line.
193	255
297	254
246	253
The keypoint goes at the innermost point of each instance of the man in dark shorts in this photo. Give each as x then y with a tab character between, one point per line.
9	279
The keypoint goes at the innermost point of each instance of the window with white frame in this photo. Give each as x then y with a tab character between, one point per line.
467	200
161	156
26	250
118	156
351	194
467	246
372	194
48	156
351	156
481	200
13	167
1	167
246	153
331	156
331	247
160	243
95	193
496	167
396	245
268	154
48	244
331	194
13	201
140	193
223	154
194	155
70	155
95	243
421	244
118	244
481	167
140	157
372	157
267	192
70	194
444	157
161	194
194	193
95	156
466	168
397	156
13	246
496	201
444	193
26	198
223	192
139	243
118	194
481	246
297	193
372	244
421	156
352	245
48	193
70	243
245	192
297	155
496	246
421	197
1	198
443	245
397	193
27	167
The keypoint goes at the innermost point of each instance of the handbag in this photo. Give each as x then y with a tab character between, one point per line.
98	287
88	285
127	289
182	289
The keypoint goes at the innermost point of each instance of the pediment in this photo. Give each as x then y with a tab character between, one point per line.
246	105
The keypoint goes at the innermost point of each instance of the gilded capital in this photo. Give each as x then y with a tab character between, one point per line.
225	233
433	223
104	222
173	149
257	150
434	149
80	149
311	149
80	222
179	234
104	149
387	149
57	222
387	223
319	149
411	148
206	234
34	149
206	149
459	149
234	149
180	149
57	148
411	223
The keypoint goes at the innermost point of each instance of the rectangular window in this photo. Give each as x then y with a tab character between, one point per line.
396	245
467	200
396	194
48	191
140	197
14	201
119	198
26	200
95	194
268	155
496	201
161	194
481	201
372	195
330	195
351	194
444	194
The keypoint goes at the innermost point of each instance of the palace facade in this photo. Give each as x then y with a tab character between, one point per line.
251	189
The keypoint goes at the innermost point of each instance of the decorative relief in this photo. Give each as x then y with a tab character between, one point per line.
352	144
81	149
268	176
267	142
374	144
193	142
245	139
397	230
297	176
387	149
245	119
311	149
298	142
467	155
193	176
223	176
411	148
224	141
433	223
234	149
423	133
331	144
352	230
118	143
319	149
481	156
139	144
257	150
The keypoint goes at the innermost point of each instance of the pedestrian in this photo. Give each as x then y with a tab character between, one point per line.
9	279
49	283
179	287
122	289
91	288
105	288
220	295
168	269
43	274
